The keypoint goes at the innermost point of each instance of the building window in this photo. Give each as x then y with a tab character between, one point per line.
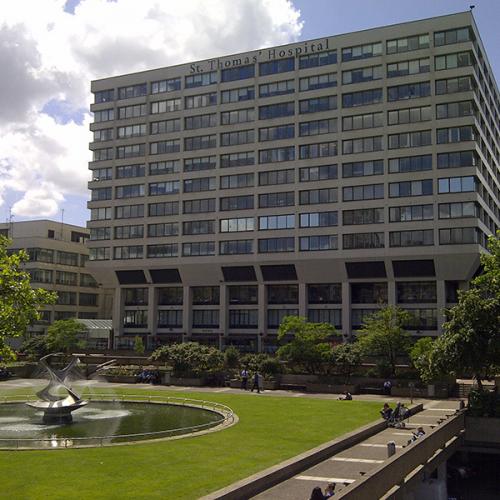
363	240
100	233
198	248
276	245
276	316
407	44
239	73
318	243
164	167
363	168
362	51
170	85
282	199
133	91
163	188
129	171
318	104
405	68
362	98
458	210
162	251
237	225
276	133
135	319
419	138
416	238
87	299
205	318
409	115
199	206
416	292
318	59
66	298
325	293
277	88
454	85
319	219
236	247
200	80
99	253
66	278
321	173
455	134
200	142
459	236
170	319
237	159
276	110
452	61
457	159
458	35
167	106
128	252
243	318
409	91
276	155
236	181
131	151
320	150
410	164
102	154
318	127
456	185
359	122
282	294
100	213
274	222
103	135
277	66
200	121
198	227
369	293
331	316
41	275
237	116
243	294
360	75
362	145
200	184
422	319
363	216
130	191
201	100
236	138
104	115
132	111
318	196
104	96
237	95
67	258
237	203
163	209
162	230
366	192
200	163
170	296
206	295
454	109
411	213
317	82
277	177
410	188
165	126
129	232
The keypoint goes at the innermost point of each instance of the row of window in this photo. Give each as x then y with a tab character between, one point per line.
447	236
357	52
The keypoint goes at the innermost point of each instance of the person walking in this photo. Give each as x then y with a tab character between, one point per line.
256	381
244	379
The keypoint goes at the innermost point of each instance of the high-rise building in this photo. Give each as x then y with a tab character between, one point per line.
58	257
321	178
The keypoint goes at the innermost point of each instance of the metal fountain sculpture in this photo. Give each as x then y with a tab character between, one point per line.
56	408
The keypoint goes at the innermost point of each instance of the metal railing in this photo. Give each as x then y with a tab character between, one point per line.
226	414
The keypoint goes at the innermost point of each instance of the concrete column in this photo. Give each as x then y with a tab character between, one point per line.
303	300
187	313
346	310
262	295
441	304
152	310
223	310
118	313
391	293
259	342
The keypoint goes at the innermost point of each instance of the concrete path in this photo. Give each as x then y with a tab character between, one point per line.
351	464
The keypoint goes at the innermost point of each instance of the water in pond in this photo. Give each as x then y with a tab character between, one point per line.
116	421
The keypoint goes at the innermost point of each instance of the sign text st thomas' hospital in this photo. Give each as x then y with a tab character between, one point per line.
261	55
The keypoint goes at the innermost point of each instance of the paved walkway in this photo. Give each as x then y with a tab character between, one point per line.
351	464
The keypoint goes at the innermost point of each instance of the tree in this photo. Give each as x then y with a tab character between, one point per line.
309	346
19	303
138	345
383	335
422	359
231	357
346	357
65	335
470	343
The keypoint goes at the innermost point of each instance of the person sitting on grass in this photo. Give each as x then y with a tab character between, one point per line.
386	411
347	397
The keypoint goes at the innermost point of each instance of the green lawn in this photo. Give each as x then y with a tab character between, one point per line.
271	429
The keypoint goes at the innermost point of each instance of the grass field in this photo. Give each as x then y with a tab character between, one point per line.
271	429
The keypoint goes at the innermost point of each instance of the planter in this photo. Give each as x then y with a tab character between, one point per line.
406	392
22	371
291	379
271	385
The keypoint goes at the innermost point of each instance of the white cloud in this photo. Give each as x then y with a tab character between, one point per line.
49	54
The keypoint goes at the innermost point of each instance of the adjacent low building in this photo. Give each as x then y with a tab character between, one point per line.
321	178
58	258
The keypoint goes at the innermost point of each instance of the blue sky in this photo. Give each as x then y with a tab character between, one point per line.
52	54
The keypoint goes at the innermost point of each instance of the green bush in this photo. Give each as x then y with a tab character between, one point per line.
124	371
231	357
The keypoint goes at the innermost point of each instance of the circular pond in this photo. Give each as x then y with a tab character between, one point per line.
109	422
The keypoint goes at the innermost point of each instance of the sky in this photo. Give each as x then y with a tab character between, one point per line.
50	50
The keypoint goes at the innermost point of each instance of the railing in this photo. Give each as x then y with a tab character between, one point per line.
227	417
